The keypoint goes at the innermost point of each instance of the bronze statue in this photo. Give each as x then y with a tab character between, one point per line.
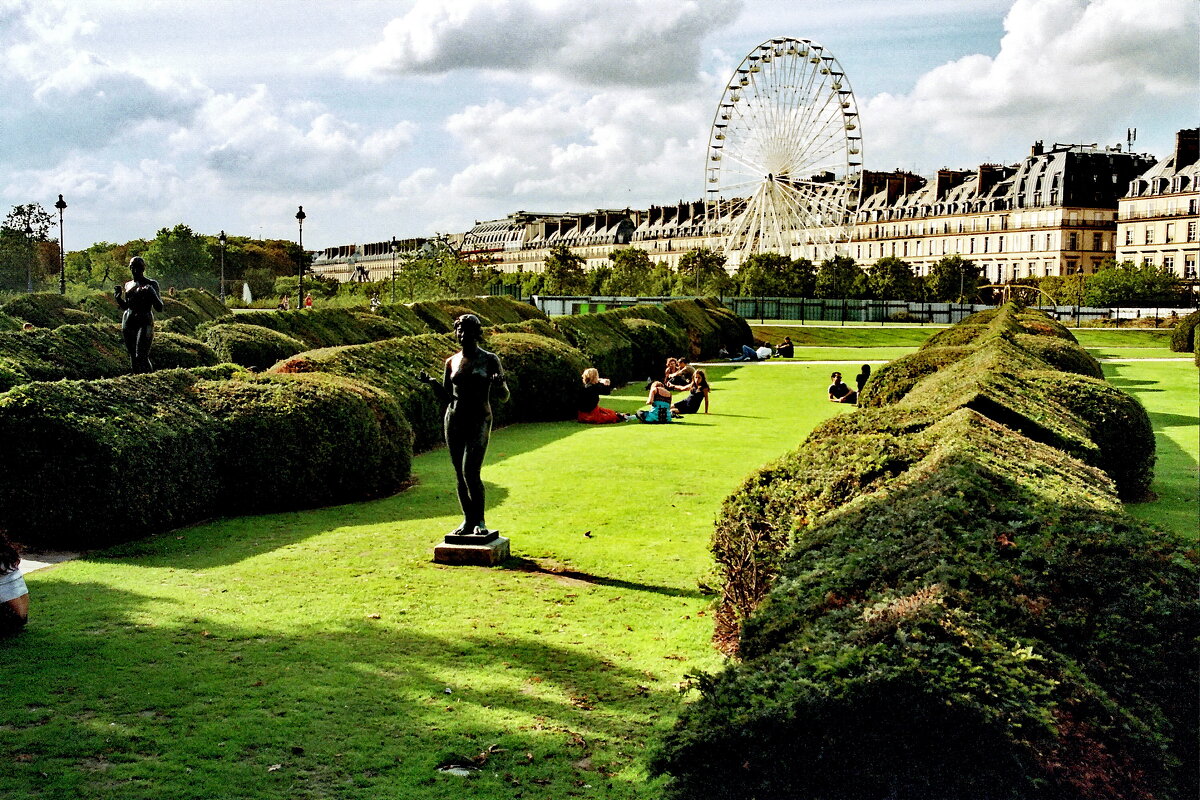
466	387
141	299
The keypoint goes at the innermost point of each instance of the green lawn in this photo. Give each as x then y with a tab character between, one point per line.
849	336
1169	392
308	654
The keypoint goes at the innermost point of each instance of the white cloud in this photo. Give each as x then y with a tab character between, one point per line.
1066	70
603	42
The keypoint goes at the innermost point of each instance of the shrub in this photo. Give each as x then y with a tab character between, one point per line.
541	327
184	311
320	327
499	310
8	323
1060	354
605	341
85	352
435	316
101	305
1183	336
892	381
251	346
46	310
653	342
543	377
403	315
390	365
148	452
704	333
954	609
1020	609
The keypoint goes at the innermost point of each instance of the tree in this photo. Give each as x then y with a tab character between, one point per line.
702	272
775	275
33	216
26	257
564	272
631	268
1129	284
893	279
953	279
180	258
840	277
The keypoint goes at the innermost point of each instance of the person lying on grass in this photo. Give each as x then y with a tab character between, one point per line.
697	394
659	400
589	408
840	392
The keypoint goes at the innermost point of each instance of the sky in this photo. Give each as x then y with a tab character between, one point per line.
410	118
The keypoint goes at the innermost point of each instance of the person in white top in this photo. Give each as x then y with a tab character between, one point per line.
14	596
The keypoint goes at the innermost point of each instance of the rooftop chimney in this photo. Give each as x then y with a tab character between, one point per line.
1187	147
1037	148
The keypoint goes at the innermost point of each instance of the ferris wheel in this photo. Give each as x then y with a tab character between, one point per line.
783	172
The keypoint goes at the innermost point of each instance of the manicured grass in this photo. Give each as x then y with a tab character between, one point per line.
308	654
1138	337
849	336
1169	392
1134	352
849	354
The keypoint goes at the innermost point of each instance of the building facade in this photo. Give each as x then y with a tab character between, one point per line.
1159	216
1053	213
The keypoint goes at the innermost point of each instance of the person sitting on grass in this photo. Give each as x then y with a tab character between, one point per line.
840	392
786	349
14	596
589	408
861	377
697	394
659	401
681	378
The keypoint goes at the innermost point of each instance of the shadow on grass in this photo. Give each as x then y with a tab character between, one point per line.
1159	420
1126	382
120	694
530	565
431	495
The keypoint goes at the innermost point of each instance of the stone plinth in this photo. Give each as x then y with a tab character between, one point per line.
476	555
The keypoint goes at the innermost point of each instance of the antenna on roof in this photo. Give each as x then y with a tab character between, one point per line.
1130	138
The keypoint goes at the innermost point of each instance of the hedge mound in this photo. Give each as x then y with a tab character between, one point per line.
1183	335
148	452
46	310
8	323
952	609
87	352
252	346
542	374
321	327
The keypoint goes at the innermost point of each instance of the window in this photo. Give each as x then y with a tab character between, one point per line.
1169	263
1148	261
906	247
1129	235
1189	267
1032	246
1097	241
1047	241
971	245
1191	230
1149	234
1170	232
1073	241
999	244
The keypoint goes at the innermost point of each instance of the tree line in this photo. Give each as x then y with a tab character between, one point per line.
182	258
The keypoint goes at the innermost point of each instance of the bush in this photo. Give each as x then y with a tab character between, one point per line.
189	309
1183	336
86	352
8	323
390	365
653	342
952	608
46	310
320	327
543	376
101	305
605	341
251	346
148	452
892	381
1020	609
1060	354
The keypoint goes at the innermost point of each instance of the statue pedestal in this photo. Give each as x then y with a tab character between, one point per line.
475	555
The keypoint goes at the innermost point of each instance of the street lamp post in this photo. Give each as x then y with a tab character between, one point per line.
62	251
300	269
223	242
395	247
32	257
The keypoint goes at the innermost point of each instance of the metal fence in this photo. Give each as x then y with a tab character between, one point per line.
824	312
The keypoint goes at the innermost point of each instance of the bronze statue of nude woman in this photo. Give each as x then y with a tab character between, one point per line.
466	387
141	299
